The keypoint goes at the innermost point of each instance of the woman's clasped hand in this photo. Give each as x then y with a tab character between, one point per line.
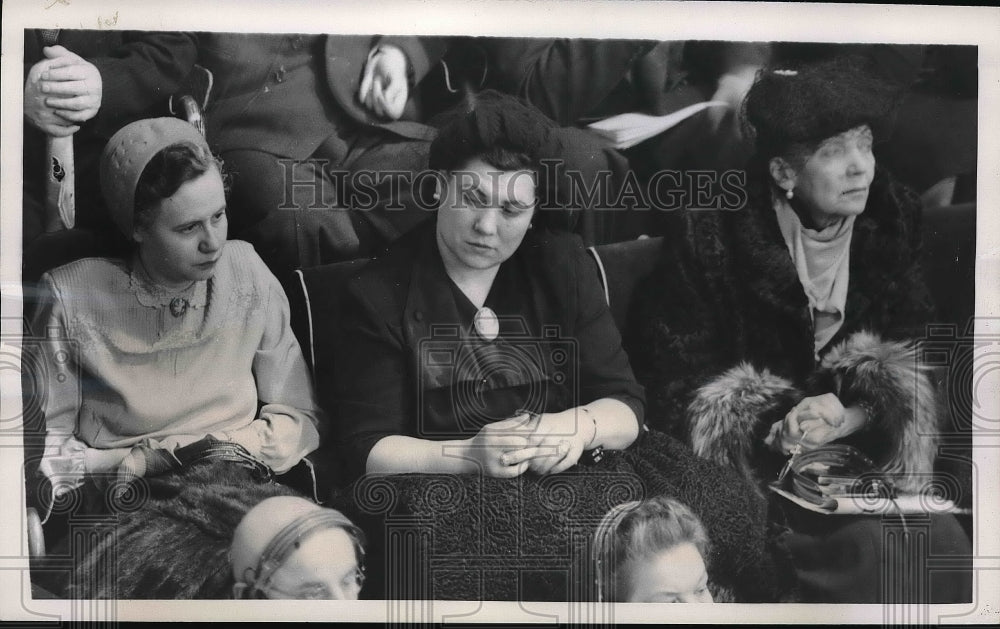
543	443
814	422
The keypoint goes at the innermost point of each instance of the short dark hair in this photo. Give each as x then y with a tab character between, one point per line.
497	128
165	173
639	529
502	131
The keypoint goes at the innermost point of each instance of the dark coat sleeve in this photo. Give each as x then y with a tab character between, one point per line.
421	53
564	78
909	304
675	335
369	385
605	371
144	71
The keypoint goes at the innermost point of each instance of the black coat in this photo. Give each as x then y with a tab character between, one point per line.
726	296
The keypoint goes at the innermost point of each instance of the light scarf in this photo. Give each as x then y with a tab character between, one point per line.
822	261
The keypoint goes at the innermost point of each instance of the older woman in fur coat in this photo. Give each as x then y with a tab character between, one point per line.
804	299
788	324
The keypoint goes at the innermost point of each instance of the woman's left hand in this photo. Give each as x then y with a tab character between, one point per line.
561	438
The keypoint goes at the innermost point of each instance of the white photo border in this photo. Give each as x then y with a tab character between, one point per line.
644	20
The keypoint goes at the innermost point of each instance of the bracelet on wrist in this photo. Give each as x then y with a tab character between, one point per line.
593	436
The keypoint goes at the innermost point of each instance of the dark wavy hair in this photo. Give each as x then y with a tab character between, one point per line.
501	130
166	172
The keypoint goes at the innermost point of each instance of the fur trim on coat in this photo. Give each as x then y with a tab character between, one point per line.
886	377
725	417
730	415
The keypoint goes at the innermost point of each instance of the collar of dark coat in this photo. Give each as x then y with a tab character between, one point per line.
430	311
749	246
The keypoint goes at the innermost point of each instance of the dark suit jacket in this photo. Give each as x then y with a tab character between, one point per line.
566	79
285	94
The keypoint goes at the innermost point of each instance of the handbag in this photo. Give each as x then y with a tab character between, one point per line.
833	471
834	476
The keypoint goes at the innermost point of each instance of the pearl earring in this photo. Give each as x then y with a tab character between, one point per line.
789	194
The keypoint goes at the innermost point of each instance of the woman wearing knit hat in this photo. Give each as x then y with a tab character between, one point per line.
185	341
786	325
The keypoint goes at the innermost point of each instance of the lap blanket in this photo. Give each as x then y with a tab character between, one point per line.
169	538
470	537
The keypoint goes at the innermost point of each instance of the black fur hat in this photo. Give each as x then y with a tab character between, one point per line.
805	104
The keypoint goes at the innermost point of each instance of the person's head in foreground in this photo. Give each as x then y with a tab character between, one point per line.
165	192
814	128
287	547
651	551
488	155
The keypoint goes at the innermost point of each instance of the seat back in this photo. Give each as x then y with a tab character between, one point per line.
316	293
621	266
949	261
316	301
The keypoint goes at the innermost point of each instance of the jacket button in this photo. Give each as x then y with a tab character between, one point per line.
418	315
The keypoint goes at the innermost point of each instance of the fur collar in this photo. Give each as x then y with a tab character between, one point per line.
754	261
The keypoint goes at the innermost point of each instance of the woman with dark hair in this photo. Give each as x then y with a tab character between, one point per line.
187	340
487	269
786	325
479	353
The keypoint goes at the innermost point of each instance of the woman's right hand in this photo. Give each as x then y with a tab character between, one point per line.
502	449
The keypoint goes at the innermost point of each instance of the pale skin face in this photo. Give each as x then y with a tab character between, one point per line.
833	181
675	575
184	241
323	567
483	217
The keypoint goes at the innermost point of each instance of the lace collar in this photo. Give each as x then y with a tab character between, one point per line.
152	295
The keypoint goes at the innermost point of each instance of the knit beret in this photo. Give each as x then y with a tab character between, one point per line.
126	155
809	103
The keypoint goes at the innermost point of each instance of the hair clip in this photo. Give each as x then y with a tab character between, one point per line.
786	72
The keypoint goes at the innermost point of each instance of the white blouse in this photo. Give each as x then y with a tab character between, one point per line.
122	369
